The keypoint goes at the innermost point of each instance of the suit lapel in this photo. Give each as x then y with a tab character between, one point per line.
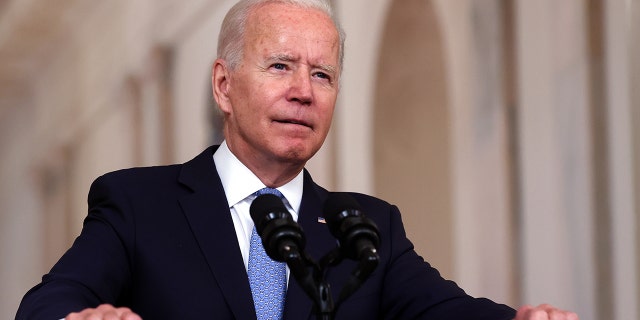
319	242
208	214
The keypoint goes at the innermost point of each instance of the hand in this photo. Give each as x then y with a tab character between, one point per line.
104	311
544	312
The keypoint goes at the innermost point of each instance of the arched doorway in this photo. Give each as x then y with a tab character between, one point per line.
412	158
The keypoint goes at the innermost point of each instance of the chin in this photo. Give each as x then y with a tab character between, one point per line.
298	154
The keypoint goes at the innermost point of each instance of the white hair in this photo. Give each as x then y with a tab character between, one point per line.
231	38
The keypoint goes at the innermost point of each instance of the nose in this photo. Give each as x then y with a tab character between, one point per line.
300	89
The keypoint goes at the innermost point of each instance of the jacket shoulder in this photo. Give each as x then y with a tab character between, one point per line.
366	200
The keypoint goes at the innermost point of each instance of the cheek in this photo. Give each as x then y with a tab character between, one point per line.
328	107
261	96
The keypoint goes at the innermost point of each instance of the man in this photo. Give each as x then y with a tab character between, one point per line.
173	242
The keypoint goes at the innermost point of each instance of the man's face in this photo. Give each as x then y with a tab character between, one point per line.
280	98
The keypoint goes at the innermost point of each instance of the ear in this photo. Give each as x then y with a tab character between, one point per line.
220	83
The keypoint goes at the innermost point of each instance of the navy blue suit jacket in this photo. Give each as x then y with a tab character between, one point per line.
161	241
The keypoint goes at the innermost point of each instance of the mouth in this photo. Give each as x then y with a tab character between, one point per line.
294	122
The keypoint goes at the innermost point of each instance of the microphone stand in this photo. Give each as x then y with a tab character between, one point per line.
283	240
314	283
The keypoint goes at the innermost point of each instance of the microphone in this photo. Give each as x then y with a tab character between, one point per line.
358	238
284	241
357	235
282	238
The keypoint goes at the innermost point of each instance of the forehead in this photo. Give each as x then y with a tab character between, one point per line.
275	25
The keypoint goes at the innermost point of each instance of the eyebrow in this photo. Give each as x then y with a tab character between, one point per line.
282	57
328	68
289	58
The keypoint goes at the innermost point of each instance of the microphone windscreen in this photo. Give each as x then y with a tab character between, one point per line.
338	207
263	205
338	202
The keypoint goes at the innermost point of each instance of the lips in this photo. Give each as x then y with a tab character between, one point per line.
294	121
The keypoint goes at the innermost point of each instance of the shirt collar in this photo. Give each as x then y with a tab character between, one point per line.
239	182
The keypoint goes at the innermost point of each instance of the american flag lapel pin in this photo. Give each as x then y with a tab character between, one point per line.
321	220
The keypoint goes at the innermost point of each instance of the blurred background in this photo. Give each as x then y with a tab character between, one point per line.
507	131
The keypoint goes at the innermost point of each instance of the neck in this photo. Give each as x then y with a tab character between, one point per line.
274	176
273	172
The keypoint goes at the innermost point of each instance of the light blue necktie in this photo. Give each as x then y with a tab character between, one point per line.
268	278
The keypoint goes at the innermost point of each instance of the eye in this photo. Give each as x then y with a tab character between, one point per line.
322	75
279	66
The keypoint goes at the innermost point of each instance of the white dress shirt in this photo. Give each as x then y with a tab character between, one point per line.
239	184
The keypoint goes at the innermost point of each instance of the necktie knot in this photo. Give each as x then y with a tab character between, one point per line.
272	191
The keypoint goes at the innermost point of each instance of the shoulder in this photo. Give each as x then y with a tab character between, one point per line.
140	182
140	176
151	175
368	201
